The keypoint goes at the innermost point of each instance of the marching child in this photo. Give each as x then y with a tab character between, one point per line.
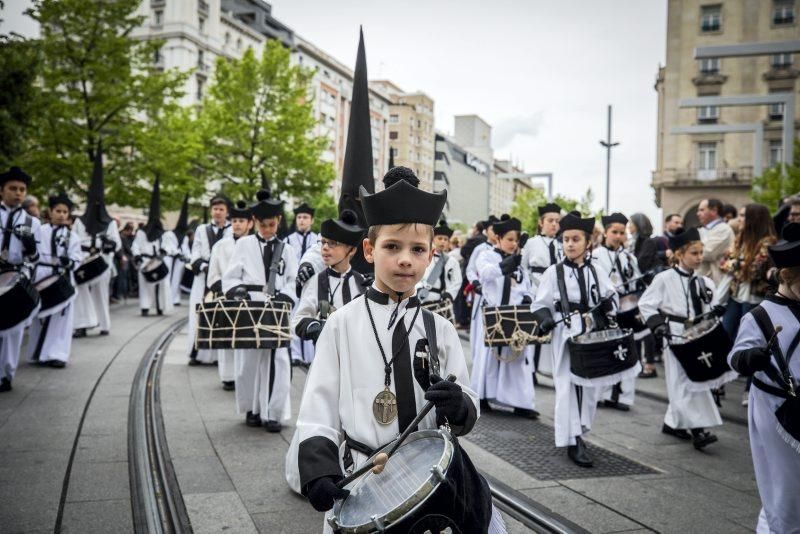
301	240
442	278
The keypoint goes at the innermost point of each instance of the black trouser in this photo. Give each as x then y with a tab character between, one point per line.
648	345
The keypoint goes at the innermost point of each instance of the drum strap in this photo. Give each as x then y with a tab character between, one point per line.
562	291
274	267
437	272
323	289
430	334
767	330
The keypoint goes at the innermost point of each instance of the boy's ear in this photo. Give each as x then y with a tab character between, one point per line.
369	250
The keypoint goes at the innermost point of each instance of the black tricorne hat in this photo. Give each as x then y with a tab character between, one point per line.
60	198
787	253
615	217
550	207
15	174
506	224
266	207
402	201
443	229
345	229
240	210
682	237
304	208
571	222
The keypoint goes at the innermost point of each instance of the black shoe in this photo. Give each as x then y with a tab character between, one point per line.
252	419
272	426
535	380
57	364
648	374
701	438
193	353
616	405
228	385
578	454
145	313
528	414
5	384
679	433
485	407
103	332
160	312
193	362
79	332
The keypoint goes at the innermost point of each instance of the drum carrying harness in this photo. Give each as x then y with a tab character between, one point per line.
564	305
437	273
325	297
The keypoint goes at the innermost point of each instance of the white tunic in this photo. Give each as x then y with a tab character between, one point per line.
451	274
308	307
508	382
176	265
255	368
91	305
777	465
50	338
476	317
302	351
688	407
575	405
221	256
154	295
301	243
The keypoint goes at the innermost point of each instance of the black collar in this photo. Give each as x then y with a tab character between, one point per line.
262	240
571	264
502	254
680	272
382	298
783	301
336	274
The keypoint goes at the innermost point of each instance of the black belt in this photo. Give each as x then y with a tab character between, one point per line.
768	388
538	270
573	307
354	445
675	318
253	288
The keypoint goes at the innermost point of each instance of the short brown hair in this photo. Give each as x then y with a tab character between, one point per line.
372	233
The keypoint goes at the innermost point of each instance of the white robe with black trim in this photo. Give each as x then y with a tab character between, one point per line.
476	315
301	351
91	304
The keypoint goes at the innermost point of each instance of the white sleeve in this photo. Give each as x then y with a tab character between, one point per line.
486	268
452	353
472	272
545	293
214	267
169	243
74	250
453	277
200	245
307	307
723	291
290	272
748	337
136	246
112	232
650	300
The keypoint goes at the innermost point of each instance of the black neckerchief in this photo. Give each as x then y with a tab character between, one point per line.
387	364
502	254
382	298
336	274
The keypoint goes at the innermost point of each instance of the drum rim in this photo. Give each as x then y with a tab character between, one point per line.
413	502
626	332
716	322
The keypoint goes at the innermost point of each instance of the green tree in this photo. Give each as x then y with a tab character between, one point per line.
256	121
526	206
19	61
778	182
95	79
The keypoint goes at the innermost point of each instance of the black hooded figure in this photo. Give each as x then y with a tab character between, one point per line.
154	228
96	219
183	220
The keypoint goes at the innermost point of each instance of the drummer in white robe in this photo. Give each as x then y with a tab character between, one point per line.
263	376
773	412
19	234
476	316
442	279
98	234
585	287
620	266
151	245
301	240
506	282
221	255
363	388
50	334
206	236
674	296
540	252
179	260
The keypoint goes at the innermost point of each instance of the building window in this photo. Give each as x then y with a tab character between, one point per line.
775	152
783	12
239	43
201	81
227	38
707	114
392	135
157	59
394	119
709	65
775	112
711	18
707	156
158	17
201	24
781	61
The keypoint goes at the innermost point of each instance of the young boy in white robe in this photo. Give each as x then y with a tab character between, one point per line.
363	387
442	279
338	284
495	375
301	240
476	315
50	334
262	268
772	359
19	234
585	287
675	296
540	252
221	254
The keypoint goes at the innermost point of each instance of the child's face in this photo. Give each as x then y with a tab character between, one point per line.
267	228
240	226
575	244
334	253
692	256
790	277
615	235
441	242
13	193
548	224
400	254
219	212
303	222
59	214
508	242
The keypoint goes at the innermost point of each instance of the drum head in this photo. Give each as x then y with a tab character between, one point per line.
7	281
695	331
405	483
47	282
601	336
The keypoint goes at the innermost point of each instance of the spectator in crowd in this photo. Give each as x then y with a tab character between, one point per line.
643	246
717	238
131	283
31	206
729	212
794	211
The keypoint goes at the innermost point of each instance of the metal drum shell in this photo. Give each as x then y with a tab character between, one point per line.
155	270
592	354
90	269
707	336
187	279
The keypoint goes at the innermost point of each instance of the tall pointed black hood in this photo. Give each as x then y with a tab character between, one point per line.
154	228
391	159
95	218
183	220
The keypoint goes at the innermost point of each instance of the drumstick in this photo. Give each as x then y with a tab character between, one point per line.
379	462
774	337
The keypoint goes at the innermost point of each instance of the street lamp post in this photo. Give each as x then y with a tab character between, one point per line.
608	146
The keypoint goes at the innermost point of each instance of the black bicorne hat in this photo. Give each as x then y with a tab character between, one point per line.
549	208
402	201
304	208
615	217
506	224
15	174
266	207
787	253
240	210
60	198
443	229
683	237
345	229
571	222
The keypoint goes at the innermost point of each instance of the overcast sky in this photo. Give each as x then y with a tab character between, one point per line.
541	72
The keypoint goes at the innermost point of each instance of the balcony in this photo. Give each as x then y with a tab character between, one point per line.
725	176
202	7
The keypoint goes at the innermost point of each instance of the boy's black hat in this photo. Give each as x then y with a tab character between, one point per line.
60	198
787	253
304	208
345	229
683	237
443	229
571	222
615	217
550	207
266	207
506	224
240	210
402	202
15	174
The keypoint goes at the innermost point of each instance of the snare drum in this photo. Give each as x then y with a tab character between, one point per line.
511	326
702	351
603	358
443	307
628	315
56	292
90	270
155	270
187	279
18	297
243	324
429	484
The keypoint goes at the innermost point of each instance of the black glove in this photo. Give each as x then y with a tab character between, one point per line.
66	263
137	260
322	492
283	297
510	264
160	251
527	300
238	293
477	288
448	399
216	287
313	330
611	321
546	325
198	266
28	240
748	361
718	310
109	246
304	273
